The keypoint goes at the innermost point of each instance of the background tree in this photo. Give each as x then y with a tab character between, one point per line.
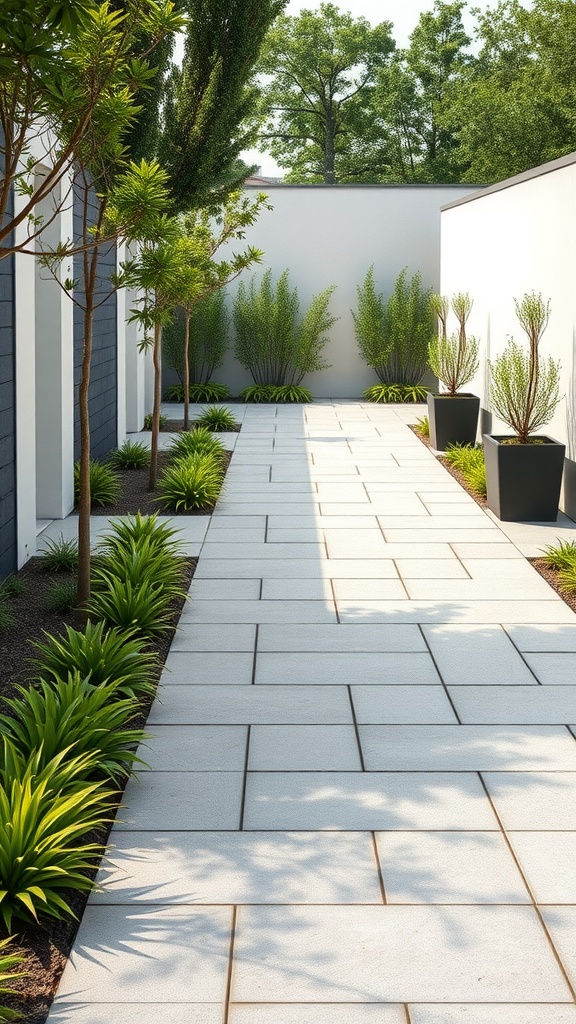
211	101
318	101
414	91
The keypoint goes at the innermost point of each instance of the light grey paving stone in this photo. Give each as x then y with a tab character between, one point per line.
194	748
426	521
456	496
300	569
181	800
217	526
355	544
265	488
446	534
348	800
531	538
465	508
233	508
467	748
336	638
476	655
378	506
150	955
66	1012
535	589
298	590
398	705
493	1013
449	867
316	1013
547	859
394	954
234	536
442	486
345	668
342	492
231	612
485	547
287	748
233	636
515	705
222	590
363	522
371	590
468	612
256	552
553	637
534	800
431	568
216	667
561	922
213	705
553	669
498	569
242	867
297	535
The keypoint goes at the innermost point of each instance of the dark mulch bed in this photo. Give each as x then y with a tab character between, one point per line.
478	498
46	948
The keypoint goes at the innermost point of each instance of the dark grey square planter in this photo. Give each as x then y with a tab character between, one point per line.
452	420
523	480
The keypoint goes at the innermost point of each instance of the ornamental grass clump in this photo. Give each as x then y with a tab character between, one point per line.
198	441
104	484
215	418
130	455
277	393
453	358
192	482
469	461
563	558
60	555
524	388
8	961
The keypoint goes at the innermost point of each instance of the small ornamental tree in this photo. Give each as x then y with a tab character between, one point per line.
393	338
453	358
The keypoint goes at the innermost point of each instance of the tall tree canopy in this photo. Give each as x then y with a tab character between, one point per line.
211	101
318	99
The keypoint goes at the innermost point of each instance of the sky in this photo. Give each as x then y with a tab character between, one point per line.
404	15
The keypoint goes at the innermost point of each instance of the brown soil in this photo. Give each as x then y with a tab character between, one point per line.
551	577
135	496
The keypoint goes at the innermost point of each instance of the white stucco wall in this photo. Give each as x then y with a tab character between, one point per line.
510	240
330	235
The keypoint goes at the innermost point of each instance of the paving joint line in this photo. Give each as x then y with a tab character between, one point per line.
226	1014
440	676
256	639
516	648
244	782
356	729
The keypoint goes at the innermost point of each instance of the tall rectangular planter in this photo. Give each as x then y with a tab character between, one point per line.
453	420
523	480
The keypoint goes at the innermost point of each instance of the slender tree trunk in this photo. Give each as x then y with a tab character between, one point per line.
329	156
83	592
155	409
187	372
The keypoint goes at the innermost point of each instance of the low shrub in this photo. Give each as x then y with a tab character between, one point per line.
72	717
143	610
196	442
469	460
397	393
143	563
422	426
211	391
60	555
61	596
8	961
104	484
276	393
216	418
194	481
134	529
130	455
163	422
101	656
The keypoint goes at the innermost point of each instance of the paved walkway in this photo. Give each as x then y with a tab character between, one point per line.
361	802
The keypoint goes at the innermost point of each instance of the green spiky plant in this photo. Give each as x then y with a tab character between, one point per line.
422	426
215	418
104	484
61	596
130	455
395	393
211	391
277	393
162	422
561	555
469	460
8	961
133	530
192	482
198	441
60	555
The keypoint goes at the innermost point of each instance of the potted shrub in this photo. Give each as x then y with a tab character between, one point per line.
524	472
453	415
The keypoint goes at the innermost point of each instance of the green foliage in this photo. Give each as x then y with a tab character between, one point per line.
145	611
7	617
525	389
397	393
12	586
276	393
393	338
567	578
561	556
217	419
320	70
72	717
8	961
423	426
101	656
104	484
453	358
273	342
209	331
469	460
209	392
370	323
45	814
163	422
60	555
193	481
198	441
61	596
135	530
130	455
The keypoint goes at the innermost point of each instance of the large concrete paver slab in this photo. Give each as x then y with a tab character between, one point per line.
494	1013
476	655
237	705
394	954
555	637
182	800
547	859
345	668
194	748
306	1013
534	800
207	612
304	748
361	638
216	667
515	705
68	1012
459	610
401	705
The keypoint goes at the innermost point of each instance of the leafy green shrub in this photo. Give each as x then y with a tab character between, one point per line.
396	393
453	358
130	455
423	426
144	564
60	555
45	816
524	388
276	393
194	481
273	342
393	338
61	597
210	391
8	961
104	484
71	716
209	332
217	419
198	441
148	422
562	555
143	610
101	656
133	530
469	460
